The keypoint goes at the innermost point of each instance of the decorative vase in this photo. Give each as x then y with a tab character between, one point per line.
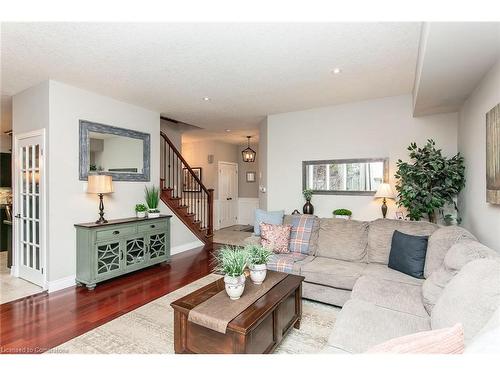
345	217
258	273
234	286
308	208
140	214
153	215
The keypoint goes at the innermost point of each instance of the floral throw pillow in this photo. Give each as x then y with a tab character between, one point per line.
275	237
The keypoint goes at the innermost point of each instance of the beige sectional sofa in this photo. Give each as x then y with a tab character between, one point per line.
348	268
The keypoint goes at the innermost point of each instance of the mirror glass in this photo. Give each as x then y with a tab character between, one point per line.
115	153
354	176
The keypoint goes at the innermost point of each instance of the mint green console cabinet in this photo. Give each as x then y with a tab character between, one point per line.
120	246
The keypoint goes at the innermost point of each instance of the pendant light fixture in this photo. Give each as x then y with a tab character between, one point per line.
248	154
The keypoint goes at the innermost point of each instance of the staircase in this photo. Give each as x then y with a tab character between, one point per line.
183	192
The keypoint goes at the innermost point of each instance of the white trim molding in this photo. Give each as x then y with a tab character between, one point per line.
246	210
185	247
65	282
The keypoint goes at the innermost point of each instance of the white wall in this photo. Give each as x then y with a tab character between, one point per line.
375	128
58	108
262	176
480	217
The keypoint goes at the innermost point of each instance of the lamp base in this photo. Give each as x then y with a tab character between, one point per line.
101	220
384	208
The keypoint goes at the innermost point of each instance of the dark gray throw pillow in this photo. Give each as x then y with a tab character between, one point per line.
408	254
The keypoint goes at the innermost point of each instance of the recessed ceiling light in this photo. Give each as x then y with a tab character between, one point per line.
336	71
228	130
206	98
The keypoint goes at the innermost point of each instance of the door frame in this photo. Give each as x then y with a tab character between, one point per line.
217	226
43	204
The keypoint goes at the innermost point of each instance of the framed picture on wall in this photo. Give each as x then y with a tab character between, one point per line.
250	176
189	183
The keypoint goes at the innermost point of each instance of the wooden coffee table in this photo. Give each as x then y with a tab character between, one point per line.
258	329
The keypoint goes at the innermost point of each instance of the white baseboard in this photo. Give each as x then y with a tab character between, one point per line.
185	247
65	282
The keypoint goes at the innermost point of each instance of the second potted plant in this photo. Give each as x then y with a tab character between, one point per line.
140	210
342	213
232	261
152	197
258	257
308	207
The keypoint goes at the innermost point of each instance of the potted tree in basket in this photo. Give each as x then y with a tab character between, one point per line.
232	261
342	213
140	210
258	257
152	197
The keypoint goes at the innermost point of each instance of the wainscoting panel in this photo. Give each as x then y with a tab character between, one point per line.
246	210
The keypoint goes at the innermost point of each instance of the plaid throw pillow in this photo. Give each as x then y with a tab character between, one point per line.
300	235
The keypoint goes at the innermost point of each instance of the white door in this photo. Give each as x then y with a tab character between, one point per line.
228	194
30	198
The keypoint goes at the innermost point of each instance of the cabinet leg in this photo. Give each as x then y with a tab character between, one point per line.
91	286
79	283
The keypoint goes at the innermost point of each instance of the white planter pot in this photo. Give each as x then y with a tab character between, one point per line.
153	215
234	286
345	217
258	273
140	214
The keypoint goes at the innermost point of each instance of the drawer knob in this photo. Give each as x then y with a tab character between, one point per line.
116	232
153	226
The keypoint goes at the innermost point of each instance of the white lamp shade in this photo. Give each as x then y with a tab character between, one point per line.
100	184
384	191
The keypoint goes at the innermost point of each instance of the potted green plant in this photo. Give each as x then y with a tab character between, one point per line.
140	210
429	181
258	257
232	261
308	207
152	197
342	213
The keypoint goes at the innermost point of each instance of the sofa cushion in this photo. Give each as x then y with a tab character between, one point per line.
300	236
342	239
439	243
313	239
385	273
459	254
406	298
438	341
469	298
487	341
408	254
332	272
380	233
268	217
360	325
284	262
325	294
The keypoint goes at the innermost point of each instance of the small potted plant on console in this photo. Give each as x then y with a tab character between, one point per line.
152	197
140	210
232	261
342	213
258	257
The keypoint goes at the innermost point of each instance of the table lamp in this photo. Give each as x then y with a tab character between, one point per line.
384	191
100	185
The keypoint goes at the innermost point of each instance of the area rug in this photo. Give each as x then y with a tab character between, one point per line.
150	329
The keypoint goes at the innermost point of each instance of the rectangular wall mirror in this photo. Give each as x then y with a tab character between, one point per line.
121	153
345	176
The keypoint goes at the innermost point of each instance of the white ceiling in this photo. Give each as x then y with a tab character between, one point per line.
247	70
453	58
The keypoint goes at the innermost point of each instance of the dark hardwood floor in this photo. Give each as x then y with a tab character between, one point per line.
43	321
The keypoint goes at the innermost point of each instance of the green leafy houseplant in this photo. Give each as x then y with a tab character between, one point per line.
308	193
231	260
152	197
429	182
342	212
140	208
258	254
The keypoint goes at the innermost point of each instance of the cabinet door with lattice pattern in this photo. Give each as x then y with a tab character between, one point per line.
108	260
158	249
135	253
